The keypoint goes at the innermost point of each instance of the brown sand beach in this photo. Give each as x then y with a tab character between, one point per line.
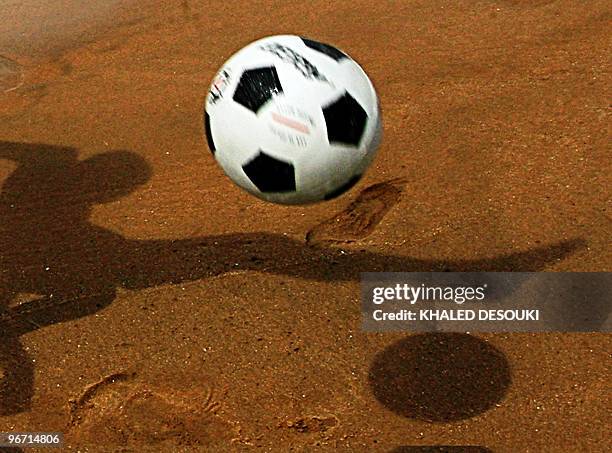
148	304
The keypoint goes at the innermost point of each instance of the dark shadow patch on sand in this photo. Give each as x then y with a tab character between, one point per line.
49	248
440	377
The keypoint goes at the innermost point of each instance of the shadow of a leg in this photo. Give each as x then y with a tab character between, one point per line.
46	311
16	373
16	367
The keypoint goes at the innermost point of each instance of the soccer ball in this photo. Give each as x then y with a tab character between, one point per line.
292	120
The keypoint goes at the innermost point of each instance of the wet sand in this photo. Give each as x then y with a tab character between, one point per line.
146	301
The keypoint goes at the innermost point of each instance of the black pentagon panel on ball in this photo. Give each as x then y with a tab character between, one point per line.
270	174
256	87
345	120
343	188
326	49
209	138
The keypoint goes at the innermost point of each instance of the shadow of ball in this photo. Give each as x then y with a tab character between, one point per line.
439	377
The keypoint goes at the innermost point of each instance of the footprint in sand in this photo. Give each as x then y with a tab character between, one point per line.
312	424
119	410
20	89
10	74
361	217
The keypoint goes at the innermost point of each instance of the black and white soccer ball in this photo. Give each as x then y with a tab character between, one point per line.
292	120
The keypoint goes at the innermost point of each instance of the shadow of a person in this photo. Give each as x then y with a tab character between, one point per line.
48	247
